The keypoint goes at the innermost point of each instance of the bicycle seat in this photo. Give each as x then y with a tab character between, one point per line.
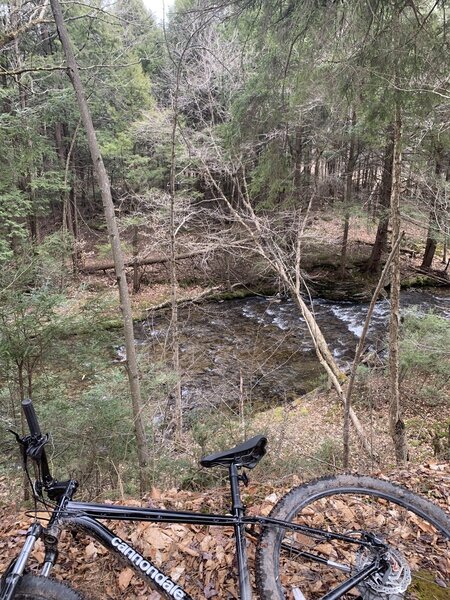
247	454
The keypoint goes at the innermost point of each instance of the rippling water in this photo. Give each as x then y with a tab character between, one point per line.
260	347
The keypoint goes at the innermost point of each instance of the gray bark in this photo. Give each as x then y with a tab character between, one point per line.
108	206
351	164
380	243
396	423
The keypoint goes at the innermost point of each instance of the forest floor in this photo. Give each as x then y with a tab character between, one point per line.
202	559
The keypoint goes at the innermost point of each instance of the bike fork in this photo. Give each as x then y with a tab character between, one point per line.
17	568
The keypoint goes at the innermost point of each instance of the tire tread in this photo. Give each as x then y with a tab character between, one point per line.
34	587
301	495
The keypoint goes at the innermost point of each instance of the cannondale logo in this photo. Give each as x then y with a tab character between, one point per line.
146	566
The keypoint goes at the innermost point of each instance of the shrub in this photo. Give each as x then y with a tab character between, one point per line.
424	353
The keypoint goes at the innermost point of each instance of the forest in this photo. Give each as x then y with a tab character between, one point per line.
231	222
164	184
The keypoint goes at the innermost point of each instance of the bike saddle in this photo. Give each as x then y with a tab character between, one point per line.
247	454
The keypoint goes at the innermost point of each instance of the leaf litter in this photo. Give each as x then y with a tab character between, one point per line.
201	559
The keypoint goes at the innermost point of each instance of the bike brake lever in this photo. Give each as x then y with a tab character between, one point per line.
31	446
16	435
34	448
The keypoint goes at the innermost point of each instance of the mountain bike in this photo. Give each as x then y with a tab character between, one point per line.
347	536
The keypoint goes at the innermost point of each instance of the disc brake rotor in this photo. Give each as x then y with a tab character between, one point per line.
389	585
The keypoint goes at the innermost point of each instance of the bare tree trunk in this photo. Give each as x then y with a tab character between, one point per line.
173	274
108	206
430	247
178	62
431	243
68	218
136	278
358	354
385	194
351	163
396	423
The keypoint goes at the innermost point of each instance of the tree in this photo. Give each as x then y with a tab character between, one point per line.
29	327
350	168
396	423
437	205
103	180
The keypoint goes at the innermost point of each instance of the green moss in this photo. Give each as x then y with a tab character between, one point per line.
418	281
425	587
278	414
111	323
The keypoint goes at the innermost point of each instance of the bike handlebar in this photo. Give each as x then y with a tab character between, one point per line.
31	417
36	449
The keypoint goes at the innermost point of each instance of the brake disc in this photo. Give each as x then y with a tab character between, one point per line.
389	585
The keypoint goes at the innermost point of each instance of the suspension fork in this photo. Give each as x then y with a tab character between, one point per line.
17	568
52	533
51	538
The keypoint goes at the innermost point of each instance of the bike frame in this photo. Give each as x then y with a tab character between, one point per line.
85	516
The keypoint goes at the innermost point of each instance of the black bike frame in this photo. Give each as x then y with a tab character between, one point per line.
84	516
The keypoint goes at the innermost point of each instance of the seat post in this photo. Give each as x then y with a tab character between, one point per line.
236	502
238	511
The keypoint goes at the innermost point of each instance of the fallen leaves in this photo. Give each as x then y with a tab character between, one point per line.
125	578
202	559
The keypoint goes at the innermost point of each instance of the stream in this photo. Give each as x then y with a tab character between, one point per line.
258	348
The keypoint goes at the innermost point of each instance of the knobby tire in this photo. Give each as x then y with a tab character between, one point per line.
418	536
32	587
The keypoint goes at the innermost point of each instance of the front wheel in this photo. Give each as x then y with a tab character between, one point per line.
415	535
42	588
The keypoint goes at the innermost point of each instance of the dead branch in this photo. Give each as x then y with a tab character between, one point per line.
188	299
17	72
359	349
10	36
442	280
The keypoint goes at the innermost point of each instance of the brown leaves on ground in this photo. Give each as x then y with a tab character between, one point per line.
201	559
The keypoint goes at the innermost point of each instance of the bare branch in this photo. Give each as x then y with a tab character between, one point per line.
33	21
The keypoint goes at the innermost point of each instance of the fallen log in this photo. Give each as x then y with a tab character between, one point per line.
140	262
443	280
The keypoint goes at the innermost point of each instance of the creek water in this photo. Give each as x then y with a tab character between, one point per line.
258	348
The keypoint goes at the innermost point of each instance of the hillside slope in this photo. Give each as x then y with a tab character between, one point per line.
200	558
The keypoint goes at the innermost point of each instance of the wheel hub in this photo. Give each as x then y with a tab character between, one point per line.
388	585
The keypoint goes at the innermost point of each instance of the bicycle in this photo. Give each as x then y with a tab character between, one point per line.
300	543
